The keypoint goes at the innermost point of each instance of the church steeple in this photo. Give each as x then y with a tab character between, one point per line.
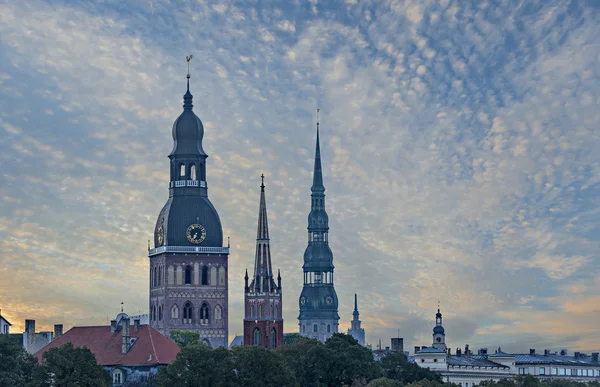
355	313
263	272
317	172
355	329
439	334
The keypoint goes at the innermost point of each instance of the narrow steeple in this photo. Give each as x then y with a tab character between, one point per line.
318	173
187	98
263	273
355	313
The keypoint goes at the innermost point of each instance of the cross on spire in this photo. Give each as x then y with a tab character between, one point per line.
262	182
121	306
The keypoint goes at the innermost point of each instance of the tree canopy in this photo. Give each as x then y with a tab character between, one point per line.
17	367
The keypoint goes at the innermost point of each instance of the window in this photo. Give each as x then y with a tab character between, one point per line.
251	311
435	360
523	371
303	328
193	172
188	275
256	339
422	360
175	312
261	314
153	313
181	170
160	275
328	328
315	328
117	377
542	371
204	314
218	313
155	283
222	275
553	371
561	371
187	313
273	338
204	275
160	313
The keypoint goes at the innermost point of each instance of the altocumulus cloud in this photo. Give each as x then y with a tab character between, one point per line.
459	144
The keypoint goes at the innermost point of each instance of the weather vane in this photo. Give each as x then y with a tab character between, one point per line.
318	117
188	59
262	177
121	306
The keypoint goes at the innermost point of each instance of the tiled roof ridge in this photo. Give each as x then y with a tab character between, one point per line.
152	342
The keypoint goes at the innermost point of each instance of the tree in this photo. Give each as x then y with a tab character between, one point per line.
291	338
260	367
425	383
17	367
184	338
198	365
342	360
395	365
68	366
385	382
297	356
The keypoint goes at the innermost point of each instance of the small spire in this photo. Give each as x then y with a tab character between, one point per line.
187	98
121	306
246	277
318	173
262	184
279	274
355	302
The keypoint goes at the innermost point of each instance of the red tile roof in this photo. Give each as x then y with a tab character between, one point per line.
150	347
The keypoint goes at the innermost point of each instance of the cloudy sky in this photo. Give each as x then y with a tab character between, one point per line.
460	144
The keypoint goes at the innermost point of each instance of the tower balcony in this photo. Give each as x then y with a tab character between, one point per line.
189	250
187	183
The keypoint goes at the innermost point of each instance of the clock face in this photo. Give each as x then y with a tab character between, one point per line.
302	300
196	233
439	339
328	300
160	235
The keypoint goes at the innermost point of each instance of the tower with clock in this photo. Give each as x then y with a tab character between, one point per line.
263	318
439	335
318	302
188	264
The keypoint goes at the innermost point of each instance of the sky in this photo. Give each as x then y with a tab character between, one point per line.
459	142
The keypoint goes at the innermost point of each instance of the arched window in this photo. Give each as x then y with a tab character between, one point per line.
181	170
204	275
155	276
160	275
251	311
175	312
256	339
315	328
160	313
187	313
218	313
328	328
303	328
213	275
273	339
188	275
153	313
261	314
204	314
118	376
193	172
222	275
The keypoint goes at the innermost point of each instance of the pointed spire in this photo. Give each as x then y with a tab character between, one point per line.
187	98
263	227
355	313
318	173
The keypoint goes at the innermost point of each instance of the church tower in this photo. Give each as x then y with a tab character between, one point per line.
263	315
439	336
355	330
188	265
318	301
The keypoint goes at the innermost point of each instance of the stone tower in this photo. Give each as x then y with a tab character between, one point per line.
439	335
355	330
188	265
318	301
263	321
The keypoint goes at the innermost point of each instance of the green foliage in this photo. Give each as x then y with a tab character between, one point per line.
532	381
291	338
17	367
68	366
198	365
342	360
259	367
385	382
184	338
298	358
396	366
425	383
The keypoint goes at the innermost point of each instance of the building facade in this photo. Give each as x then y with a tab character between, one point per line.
355	329
318	301
4	325
439	334
263	318
188	265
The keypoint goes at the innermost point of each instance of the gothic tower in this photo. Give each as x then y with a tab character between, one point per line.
188	265
355	330
439	336
263	317
318	301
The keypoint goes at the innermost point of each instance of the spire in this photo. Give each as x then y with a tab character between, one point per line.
355	313
263	227
263	274
187	98
318	173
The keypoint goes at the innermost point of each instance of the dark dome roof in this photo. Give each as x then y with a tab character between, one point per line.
318	256
318	219
188	131
181	212
316	305
438	329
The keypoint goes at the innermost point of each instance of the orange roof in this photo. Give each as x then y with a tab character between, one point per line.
149	348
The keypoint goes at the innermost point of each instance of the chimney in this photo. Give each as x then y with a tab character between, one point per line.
577	355
136	325
125	333
546	352
387	348
595	357
467	350
458	352
30	330
482	351
417	348
58	331
532	352
563	352
113	325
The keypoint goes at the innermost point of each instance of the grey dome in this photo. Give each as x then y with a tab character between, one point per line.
188	131
438	330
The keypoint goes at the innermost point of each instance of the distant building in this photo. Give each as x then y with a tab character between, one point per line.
33	341
398	344
237	340
263	308
4	325
439	334
131	353
355	330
